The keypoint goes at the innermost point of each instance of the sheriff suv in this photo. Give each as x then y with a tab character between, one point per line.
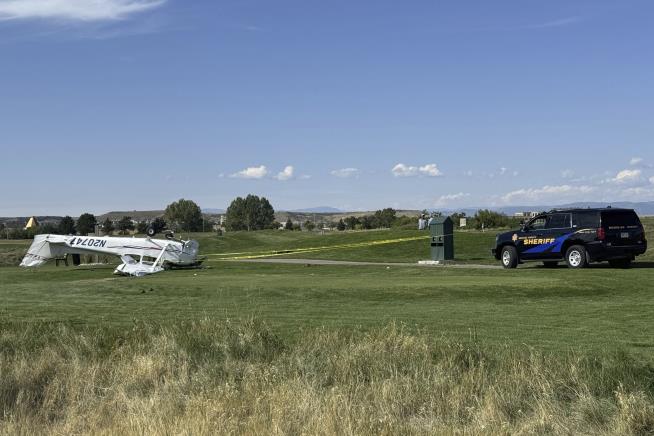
576	236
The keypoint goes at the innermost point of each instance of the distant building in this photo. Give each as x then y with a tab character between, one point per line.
32	223
525	214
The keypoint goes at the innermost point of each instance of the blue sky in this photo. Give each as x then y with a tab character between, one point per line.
131	104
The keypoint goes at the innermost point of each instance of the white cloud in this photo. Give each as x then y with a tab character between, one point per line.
430	170
636	161
444	200
651	180
627	176
74	10
503	171
468	173
567	173
546	193
401	170
286	174
345	173
252	173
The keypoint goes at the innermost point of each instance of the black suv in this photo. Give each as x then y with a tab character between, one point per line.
578	236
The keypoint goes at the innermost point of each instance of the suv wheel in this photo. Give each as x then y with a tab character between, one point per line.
509	257
620	263
575	257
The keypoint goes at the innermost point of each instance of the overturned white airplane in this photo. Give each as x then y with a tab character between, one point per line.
140	256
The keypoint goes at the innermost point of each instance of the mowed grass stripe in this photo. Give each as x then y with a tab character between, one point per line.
256	255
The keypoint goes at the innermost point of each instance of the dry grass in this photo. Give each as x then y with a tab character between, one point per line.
235	378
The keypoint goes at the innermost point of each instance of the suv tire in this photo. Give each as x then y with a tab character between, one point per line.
575	257
620	263
509	257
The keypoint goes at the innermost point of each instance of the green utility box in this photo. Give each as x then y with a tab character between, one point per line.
442	238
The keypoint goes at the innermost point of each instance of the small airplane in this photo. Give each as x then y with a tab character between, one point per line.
140	256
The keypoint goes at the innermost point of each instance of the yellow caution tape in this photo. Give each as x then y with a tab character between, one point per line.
272	253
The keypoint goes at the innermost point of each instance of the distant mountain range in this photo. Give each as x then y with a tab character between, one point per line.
211	211
318	209
643	208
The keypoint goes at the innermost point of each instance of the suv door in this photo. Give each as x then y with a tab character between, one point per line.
545	241
527	235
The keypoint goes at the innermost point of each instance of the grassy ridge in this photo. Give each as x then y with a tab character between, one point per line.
210	377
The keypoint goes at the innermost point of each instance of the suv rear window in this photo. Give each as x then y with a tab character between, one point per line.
586	219
621	218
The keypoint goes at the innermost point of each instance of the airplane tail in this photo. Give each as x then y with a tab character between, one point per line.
42	250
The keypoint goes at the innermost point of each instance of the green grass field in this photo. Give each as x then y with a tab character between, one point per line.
553	309
470	246
248	348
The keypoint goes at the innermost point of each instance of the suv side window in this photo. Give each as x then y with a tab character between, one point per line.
558	221
537	223
586	219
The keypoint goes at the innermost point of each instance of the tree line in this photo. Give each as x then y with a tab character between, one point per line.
181	215
243	214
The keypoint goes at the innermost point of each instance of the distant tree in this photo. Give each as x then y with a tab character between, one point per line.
141	227
309	225
86	224
235	215
108	226
351	222
250	213
185	215
385	217
341	225
288	225
367	222
125	224
489	219
16	233
67	226
48	229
